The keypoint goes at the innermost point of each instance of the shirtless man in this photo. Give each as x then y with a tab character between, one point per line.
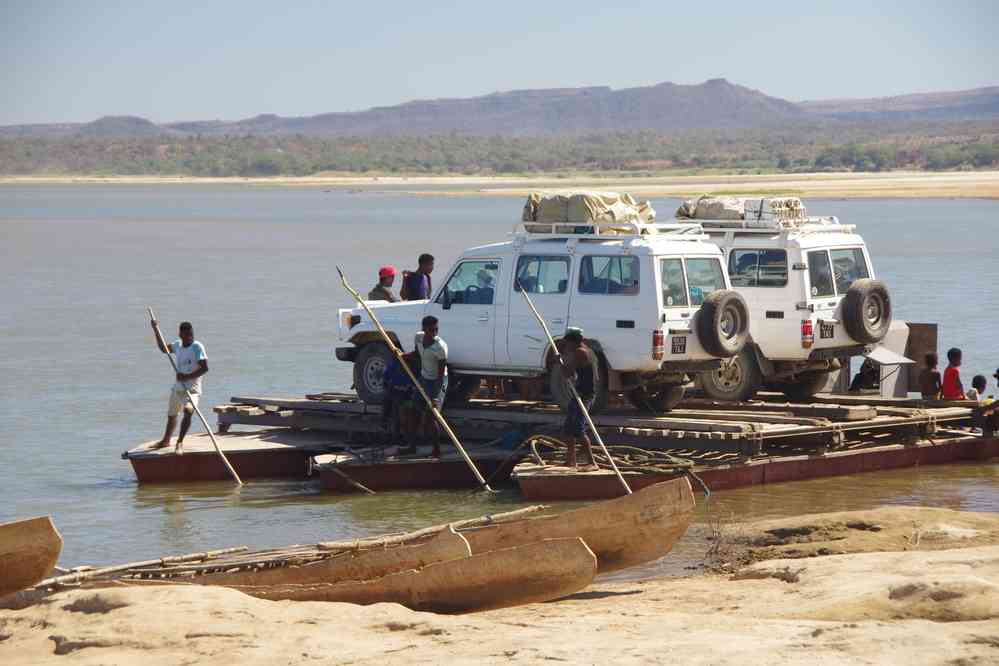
581	370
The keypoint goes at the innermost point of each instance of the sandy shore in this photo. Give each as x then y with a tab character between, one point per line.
965	184
892	585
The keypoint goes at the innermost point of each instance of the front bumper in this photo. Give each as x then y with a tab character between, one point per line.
346	354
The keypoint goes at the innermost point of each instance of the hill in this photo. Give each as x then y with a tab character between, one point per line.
975	104
714	104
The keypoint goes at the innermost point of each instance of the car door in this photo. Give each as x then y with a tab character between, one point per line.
466	309
545	278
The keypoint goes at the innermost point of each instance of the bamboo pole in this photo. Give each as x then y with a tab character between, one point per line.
208	428
351	481
409	537
419	387
572	389
80	576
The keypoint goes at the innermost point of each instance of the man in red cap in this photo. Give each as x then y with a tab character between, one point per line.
382	290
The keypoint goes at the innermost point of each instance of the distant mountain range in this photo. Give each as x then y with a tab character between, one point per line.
714	104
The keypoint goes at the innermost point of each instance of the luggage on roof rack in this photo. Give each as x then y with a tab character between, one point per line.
755	209
606	213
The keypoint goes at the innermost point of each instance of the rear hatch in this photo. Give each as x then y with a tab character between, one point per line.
831	271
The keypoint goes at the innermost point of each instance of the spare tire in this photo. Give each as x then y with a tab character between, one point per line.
722	323
866	311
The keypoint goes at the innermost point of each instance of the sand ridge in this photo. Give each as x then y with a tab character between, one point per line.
891	184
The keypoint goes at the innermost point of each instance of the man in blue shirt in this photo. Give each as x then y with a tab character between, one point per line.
192	363
416	285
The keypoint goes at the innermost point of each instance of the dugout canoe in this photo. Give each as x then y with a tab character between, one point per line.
541	571
293	582
29	549
622	532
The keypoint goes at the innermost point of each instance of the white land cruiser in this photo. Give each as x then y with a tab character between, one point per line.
811	291
654	301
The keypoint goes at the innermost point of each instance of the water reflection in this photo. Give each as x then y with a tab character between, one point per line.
264	513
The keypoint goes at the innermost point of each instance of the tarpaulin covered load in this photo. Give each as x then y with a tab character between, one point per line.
598	208
707	207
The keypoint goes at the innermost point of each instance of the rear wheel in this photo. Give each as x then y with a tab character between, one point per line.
369	372
560	393
659	400
736	380
805	386
462	388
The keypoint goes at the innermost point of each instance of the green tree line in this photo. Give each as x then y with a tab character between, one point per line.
818	148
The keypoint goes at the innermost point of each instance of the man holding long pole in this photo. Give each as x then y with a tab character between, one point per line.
580	369
192	364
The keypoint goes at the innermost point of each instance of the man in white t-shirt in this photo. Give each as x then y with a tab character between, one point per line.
192	363
433	374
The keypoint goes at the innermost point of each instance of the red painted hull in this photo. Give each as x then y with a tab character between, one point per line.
278	463
543	487
419	474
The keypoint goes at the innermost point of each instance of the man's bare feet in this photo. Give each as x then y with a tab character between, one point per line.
162	444
179	449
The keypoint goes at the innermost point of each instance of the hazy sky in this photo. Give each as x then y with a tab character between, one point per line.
178	60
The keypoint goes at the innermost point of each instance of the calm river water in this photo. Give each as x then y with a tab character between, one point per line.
253	268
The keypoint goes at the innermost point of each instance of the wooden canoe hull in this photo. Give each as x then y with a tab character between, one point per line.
622	532
29	549
536	572
357	565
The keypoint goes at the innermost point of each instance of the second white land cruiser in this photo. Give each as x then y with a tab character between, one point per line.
811	291
653	300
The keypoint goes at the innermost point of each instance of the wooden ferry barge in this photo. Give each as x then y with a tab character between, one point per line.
337	439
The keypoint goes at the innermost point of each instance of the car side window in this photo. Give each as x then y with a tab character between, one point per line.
703	277
848	265
542	274
820	274
609	275
673	285
472	283
758	268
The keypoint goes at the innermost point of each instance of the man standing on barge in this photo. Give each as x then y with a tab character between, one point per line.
192	363
581	371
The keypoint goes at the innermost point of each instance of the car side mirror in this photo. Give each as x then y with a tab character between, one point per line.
446	303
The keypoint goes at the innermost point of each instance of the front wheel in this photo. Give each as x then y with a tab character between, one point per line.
369	372
657	401
736	380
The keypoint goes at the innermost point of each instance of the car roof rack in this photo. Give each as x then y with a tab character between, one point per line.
692	231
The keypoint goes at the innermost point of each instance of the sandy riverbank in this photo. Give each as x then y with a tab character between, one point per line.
893	585
965	184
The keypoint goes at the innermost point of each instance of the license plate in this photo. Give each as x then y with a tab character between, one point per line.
827	331
679	344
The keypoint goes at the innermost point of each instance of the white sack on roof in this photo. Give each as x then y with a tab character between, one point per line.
601	208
